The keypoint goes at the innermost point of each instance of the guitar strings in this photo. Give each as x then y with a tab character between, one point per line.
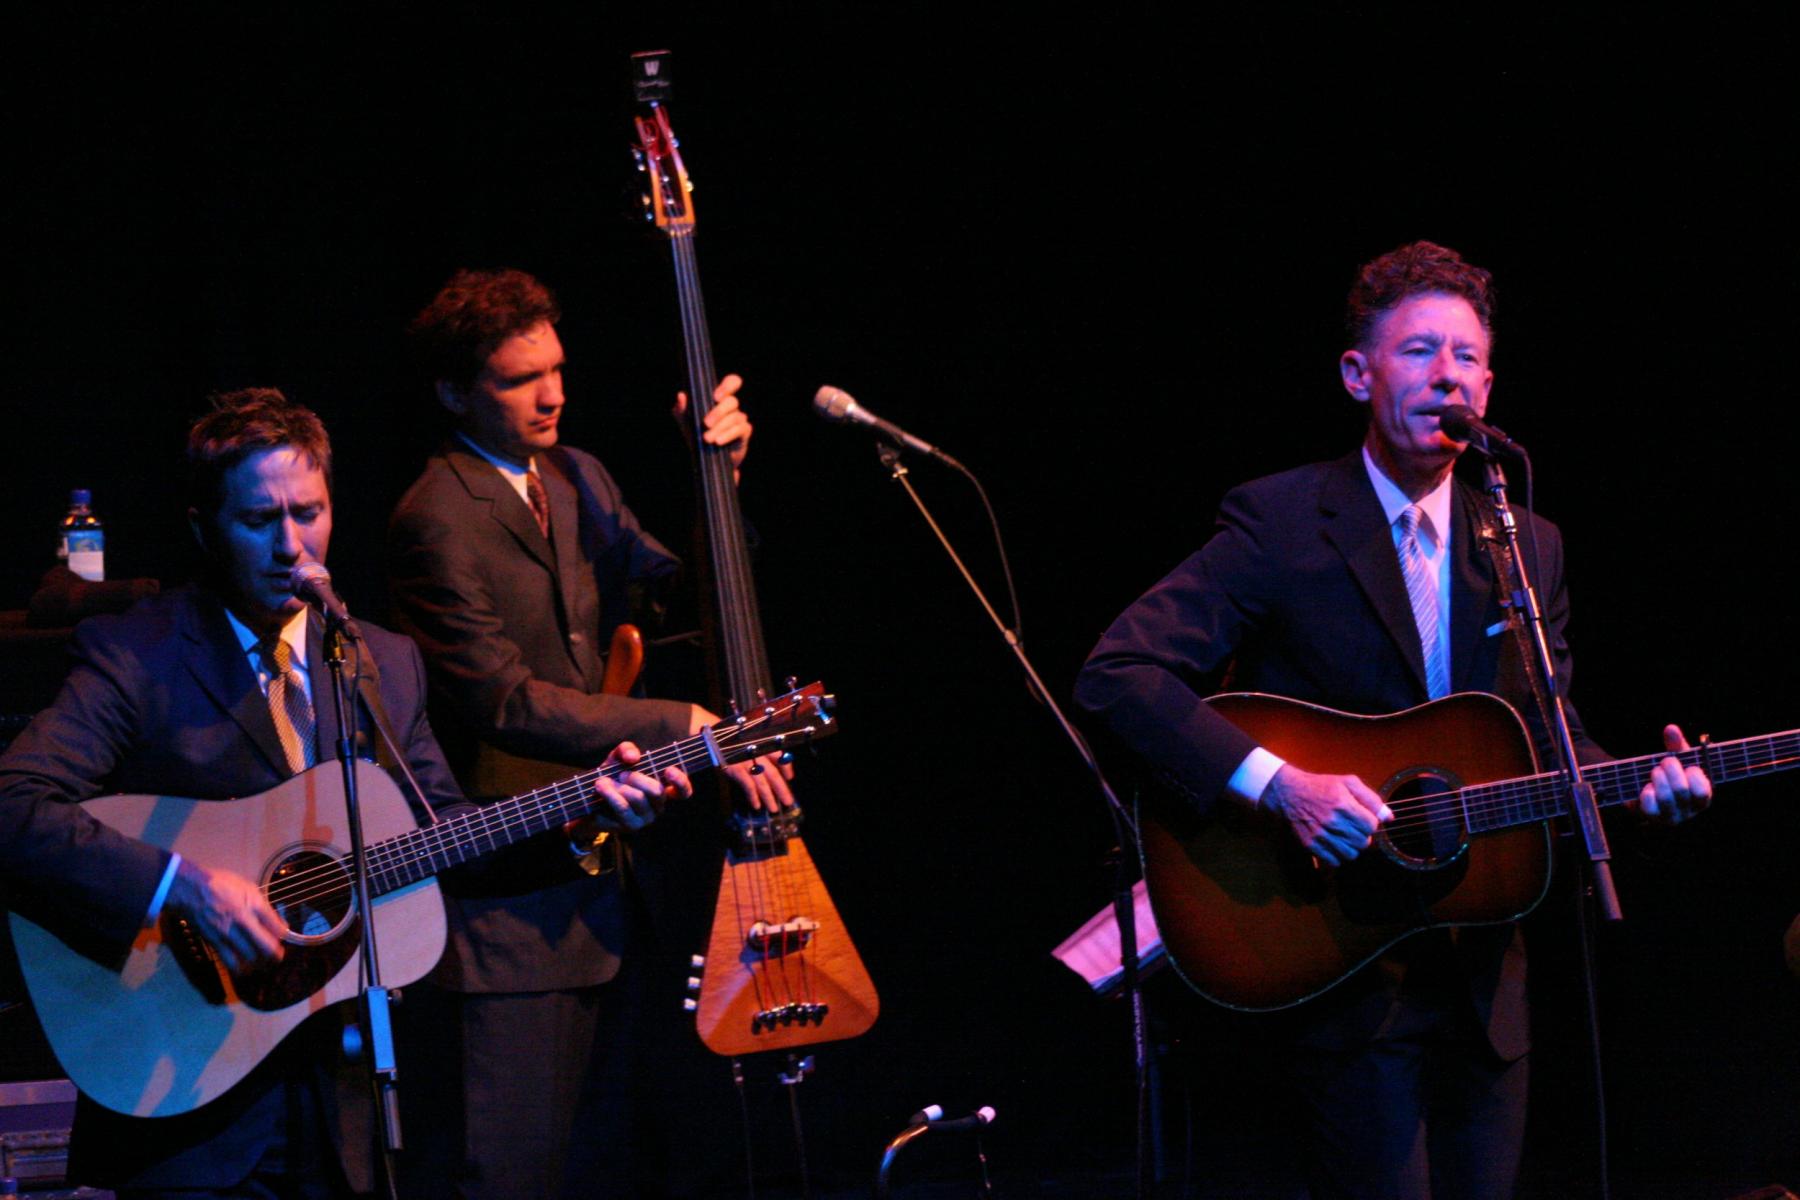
534	812
1538	797
745	658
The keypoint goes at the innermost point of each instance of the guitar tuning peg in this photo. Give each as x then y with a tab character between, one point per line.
731	707
762	696
791	683
696	961
690	1005
756	768
785	757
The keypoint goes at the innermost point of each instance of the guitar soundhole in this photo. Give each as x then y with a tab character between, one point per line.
1427	831
310	890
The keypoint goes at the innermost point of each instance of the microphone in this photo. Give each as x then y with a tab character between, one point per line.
1461	423
311	582
835	404
933	1115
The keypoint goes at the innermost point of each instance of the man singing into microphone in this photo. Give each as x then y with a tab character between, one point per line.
1360	584
213	692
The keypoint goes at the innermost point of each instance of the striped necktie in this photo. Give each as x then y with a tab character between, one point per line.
539	500
1422	590
288	705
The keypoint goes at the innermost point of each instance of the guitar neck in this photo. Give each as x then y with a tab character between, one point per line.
410	857
1535	798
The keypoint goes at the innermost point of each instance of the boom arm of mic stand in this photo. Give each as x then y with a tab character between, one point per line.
890	458
1582	807
1124	910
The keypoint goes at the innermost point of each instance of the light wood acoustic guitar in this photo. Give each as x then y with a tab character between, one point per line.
1252	922
174	1030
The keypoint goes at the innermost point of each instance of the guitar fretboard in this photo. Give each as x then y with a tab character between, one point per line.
398	861
1533	798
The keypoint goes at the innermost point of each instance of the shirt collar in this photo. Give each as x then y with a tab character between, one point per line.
293	633
1435	505
512	471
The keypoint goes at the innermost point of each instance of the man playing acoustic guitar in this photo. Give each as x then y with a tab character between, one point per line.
1361	584
213	692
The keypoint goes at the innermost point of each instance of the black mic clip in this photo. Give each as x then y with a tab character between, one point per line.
1490	441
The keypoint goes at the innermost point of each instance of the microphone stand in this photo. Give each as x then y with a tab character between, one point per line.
376	1027
1124	828
1582	807
1584	811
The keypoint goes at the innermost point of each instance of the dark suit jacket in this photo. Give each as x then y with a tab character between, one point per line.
511	625
1300	593
162	700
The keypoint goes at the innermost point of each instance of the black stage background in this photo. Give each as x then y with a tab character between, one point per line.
1101	260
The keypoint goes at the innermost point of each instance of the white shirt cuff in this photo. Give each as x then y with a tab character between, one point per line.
162	889
1252	777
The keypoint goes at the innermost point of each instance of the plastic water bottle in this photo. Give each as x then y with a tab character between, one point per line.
83	540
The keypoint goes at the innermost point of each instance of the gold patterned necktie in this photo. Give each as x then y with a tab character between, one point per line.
540	502
288	705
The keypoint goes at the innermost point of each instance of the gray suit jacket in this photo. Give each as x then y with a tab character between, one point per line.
511	626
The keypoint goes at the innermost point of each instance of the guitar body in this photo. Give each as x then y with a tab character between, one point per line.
624	661
172	1031
780	968
1250	920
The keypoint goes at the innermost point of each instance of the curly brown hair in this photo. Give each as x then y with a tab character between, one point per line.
473	313
1412	270
239	424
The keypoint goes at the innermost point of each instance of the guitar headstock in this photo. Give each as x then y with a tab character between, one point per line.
778	726
670	198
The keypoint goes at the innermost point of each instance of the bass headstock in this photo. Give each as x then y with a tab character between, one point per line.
669	197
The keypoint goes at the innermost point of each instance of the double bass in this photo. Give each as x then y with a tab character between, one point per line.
780	968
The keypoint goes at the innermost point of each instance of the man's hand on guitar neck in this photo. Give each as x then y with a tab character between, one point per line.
1675	792
1333	816
763	781
631	801
230	912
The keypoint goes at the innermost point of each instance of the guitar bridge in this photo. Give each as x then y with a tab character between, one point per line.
776	940
789	1014
197	960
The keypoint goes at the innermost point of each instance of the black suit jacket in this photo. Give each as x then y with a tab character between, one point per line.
511	625
162	700
1300	593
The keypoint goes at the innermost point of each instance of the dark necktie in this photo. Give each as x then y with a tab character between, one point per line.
539	501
